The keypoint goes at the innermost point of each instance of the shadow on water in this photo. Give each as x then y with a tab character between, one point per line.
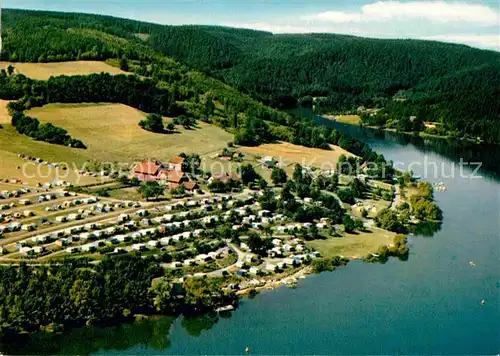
426	229
151	332
194	326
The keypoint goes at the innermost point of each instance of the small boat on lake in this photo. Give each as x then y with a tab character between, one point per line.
225	308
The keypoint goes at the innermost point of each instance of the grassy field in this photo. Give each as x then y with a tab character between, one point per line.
348	119
43	71
345	119
4	115
111	133
125	194
353	245
13	167
382	185
289	154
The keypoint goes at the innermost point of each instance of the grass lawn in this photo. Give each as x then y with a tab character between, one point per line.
352	245
111	133
12	143
289	154
43	71
345	119
226	261
125	194
348	119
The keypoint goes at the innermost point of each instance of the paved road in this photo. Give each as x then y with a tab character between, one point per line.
217	273
397	197
241	258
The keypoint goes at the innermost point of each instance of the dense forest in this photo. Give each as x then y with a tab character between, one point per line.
78	292
74	292
454	85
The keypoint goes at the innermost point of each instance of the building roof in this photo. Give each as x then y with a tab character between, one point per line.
225	177
190	185
176	160
171	176
270	164
147	167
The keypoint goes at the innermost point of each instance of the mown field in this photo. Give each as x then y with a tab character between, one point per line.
43	71
289	154
348	119
13	167
4	115
111	133
353	245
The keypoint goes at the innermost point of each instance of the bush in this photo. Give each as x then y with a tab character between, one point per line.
388	219
153	123
321	264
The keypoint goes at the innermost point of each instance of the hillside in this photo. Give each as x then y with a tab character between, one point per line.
447	83
154	83
43	71
112	133
455	85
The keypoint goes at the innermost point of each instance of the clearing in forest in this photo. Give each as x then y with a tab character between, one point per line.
288	154
111	133
4	114
43	71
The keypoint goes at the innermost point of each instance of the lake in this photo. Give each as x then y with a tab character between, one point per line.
429	304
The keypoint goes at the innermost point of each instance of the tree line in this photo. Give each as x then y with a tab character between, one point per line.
74	293
44	132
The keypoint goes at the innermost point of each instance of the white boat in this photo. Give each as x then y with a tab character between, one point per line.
225	308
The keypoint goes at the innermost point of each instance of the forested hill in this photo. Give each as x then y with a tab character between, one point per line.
455	85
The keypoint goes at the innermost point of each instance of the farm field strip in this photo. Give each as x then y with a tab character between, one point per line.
288	154
43	71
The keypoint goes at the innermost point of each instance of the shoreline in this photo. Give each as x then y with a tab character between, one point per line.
277	283
409	133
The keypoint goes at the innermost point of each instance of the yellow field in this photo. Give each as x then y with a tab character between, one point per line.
287	154
352	245
13	167
348	119
43	71
4	115
112	133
